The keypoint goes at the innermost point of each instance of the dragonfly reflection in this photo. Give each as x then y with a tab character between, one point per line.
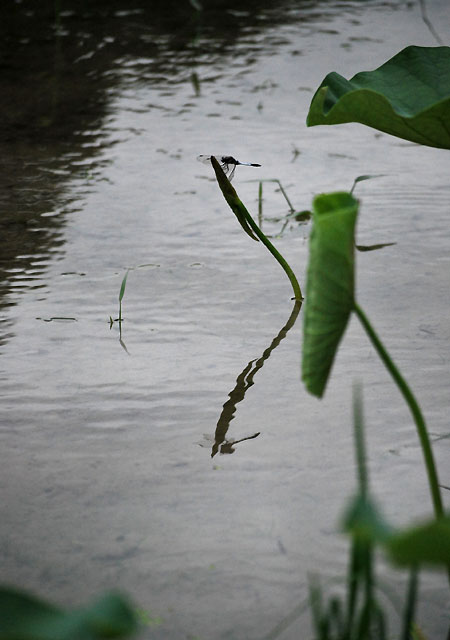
226	446
228	164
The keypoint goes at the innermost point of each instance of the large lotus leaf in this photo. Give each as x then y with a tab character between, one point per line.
25	617
408	97
330	285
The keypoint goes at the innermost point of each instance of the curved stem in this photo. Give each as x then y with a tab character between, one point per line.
276	254
414	408
250	226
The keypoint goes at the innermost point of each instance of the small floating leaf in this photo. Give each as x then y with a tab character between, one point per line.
302	216
330	285
374	247
408	97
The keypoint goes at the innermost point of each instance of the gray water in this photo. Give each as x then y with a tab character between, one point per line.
107	479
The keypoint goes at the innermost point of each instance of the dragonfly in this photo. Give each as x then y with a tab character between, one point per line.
228	164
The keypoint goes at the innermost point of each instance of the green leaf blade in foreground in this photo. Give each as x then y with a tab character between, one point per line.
428	543
25	617
408	97
425	544
364	521
330	285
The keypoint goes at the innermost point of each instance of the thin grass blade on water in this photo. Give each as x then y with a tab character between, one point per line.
363	178
123	286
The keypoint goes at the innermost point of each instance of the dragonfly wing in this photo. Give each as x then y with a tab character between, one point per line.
204	159
230	177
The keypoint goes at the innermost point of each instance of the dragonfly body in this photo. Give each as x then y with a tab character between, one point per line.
228	164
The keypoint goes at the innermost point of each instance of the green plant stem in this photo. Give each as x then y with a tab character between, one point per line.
260	205
283	263
248	224
285	196
360	446
414	408
408	617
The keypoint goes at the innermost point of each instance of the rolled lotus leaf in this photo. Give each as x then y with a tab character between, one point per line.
330	285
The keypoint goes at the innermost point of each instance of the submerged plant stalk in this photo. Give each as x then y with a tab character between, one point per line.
414	408
249	225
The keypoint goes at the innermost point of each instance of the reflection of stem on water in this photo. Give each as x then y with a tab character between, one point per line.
243	382
122	343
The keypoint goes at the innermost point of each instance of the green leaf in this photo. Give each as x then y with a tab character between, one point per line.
425	544
365	177
408	97
374	247
330	285
25	617
232	198
123	285
364	521
249	225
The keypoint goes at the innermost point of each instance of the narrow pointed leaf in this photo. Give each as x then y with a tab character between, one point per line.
330	285
123	286
250	227
232	198
374	247
408	97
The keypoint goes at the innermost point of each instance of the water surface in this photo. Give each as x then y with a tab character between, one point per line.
107	474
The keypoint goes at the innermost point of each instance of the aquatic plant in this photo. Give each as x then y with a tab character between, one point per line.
408	97
330	300
249	225
121	294
294	214
26	617
360	614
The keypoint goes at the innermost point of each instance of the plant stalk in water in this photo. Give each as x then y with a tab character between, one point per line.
249	225
121	294
414	408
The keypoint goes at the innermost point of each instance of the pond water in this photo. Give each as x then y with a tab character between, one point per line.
107	478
